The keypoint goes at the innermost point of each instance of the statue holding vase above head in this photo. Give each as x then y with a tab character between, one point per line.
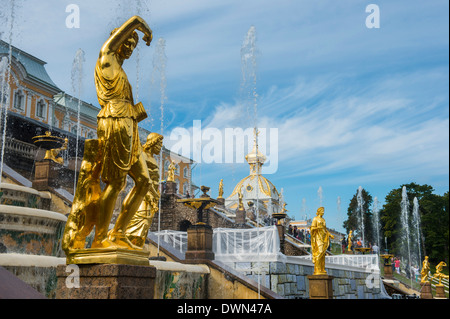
116	153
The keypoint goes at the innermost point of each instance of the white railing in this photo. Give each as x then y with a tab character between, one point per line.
176	239
359	261
233	245
252	244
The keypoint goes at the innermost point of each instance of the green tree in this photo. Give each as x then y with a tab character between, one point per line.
433	211
352	222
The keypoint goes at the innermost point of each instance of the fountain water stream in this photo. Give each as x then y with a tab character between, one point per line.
360	214
77	81
404	219
416	224
376	220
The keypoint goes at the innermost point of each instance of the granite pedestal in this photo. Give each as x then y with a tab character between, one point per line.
320	287
105	281
199	245
425	291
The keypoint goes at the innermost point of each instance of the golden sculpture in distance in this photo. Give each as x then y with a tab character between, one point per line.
425	270
53	153
171	172
220	189
241	203
439	275
350	241
320	240
116	154
139	225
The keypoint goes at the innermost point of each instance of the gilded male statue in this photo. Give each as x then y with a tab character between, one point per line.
320	240
139	225
117	131
425	270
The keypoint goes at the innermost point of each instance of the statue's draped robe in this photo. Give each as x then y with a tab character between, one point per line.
320	241
117	124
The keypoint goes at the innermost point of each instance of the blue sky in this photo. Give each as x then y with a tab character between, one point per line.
353	106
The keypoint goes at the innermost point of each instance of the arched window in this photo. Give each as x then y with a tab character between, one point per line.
41	108
19	100
185	188
185	172
177	169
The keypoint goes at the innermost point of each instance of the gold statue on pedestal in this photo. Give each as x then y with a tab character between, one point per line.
425	270
439	275
220	189
350	241
320	240
116	154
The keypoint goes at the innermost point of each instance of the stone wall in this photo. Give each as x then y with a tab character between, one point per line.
174	215
289	279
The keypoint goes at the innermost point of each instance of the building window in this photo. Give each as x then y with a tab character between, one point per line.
41	109
177	169
19	100
186	172
185	188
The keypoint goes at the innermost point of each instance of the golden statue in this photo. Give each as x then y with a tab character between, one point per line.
220	189
350	239
171	172
240	196
425	270
53	153
320	240
117	152
439	275
139	225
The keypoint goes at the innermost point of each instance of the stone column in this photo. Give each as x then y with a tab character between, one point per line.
200	238
320	287
46	174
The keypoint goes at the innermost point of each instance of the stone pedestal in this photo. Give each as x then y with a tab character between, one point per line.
240	216
46	174
221	201
199	246
320	287
440	293
425	291
171	188
388	271
347	252
105	281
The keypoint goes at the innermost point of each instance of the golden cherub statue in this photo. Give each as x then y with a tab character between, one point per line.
116	154
171	172
439	275
320	240
425	270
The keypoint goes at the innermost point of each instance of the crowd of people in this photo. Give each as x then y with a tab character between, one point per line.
301	234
